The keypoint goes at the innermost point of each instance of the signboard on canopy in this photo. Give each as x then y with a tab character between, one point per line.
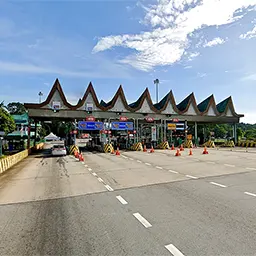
171	126
90	126
122	126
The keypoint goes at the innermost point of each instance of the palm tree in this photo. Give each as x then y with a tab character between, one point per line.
156	82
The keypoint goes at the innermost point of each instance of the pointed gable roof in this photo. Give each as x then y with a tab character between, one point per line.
111	103
162	105
204	105
135	106
89	90
56	88
222	106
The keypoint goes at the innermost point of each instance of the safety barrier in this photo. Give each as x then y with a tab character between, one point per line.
108	148
9	161
230	144
188	144
73	148
209	144
137	147
248	144
163	145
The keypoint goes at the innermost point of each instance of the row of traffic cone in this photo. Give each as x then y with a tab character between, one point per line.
179	154
79	156
151	150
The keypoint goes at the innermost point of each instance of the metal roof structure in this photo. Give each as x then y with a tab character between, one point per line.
188	109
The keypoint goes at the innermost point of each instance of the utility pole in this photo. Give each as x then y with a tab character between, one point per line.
156	82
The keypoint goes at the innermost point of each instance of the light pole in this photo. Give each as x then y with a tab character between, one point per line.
40	94
156	82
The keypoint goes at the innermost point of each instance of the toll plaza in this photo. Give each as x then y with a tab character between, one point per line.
121	124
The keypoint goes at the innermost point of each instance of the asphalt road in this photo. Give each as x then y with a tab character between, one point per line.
134	204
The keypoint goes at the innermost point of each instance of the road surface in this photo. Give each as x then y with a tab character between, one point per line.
134	204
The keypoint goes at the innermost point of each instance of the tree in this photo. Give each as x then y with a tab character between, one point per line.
7	123
16	108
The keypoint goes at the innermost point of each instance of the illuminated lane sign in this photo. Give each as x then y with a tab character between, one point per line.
122	126
90	126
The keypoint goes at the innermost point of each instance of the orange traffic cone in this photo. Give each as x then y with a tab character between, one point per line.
205	152
172	148
190	152
76	154
152	150
144	149
181	147
117	152
113	151
178	153
81	158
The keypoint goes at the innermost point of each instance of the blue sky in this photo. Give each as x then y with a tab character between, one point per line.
200	46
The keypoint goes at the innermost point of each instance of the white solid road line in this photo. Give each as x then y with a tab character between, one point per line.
142	220
251	169
122	201
191	177
139	161
109	188
173	250
147	164
173	171
94	174
100	180
229	165
217	184
89	169
250	194
159	167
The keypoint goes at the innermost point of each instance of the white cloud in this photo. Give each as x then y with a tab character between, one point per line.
251	77
193	55
201	75
214	42
250	34
172	23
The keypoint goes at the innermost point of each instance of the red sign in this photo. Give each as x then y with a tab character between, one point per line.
90	118
109	132
123	118
175	120
149	119
105	131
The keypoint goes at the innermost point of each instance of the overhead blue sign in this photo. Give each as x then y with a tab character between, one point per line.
91	126
122	126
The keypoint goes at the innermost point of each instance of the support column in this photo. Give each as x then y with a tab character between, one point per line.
164	129
235	133
28	141
35	133
196	135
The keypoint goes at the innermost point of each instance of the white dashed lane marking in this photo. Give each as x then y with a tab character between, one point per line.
251	169
147	164
100	180
250	194
191	177
173	250
139	161
122	201
159	167
217	184
142	220
89	169
94	174
210	162
109	188
124	156
173	171
131	158
229	165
